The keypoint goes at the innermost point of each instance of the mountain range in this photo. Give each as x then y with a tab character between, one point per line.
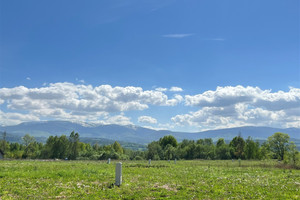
136	134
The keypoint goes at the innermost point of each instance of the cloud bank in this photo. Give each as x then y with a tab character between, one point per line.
68	101
240	106
224	107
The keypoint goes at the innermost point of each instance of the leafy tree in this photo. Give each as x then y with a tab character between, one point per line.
27	139
192	151
205	149
293	153
200	141
30	146
199	151
264	151
208	142
185	143
56	147
74	145
220	142
155	151
63	144
169	139
222	150
3	143
251	149
117	147
170	152
279	143
237	145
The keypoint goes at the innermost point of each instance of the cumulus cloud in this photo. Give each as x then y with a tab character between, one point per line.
147	119
240	106
176	89
226	96
81	102
213	118
224	107
9	118
160	89
118	119
172	89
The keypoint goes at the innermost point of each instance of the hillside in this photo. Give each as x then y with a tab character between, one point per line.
135	134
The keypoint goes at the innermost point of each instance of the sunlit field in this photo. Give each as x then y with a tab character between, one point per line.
162	179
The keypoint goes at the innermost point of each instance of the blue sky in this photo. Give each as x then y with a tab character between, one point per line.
214	50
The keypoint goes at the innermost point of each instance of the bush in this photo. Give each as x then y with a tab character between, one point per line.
138	158
95	157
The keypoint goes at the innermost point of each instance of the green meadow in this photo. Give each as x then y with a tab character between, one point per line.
197	179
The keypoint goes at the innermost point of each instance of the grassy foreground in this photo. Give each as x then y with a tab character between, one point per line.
183	180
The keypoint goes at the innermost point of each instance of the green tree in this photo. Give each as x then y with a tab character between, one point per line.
279	143
264	151
155	151
237	145
27	139
222	150
220	142
293	153
117	147
3	143
204	149
192	152
169	139
170	152
251	149
74	145
30	146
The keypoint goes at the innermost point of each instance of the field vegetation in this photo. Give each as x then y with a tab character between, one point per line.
66	168
195	179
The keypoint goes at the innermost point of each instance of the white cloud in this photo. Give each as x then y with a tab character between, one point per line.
240	106
72	97
215	118
81	102
176	89
226	96
220	108
9	118
161	89
178	35
118	119
147	119
28	78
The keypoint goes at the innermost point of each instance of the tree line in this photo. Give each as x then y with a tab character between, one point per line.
278	146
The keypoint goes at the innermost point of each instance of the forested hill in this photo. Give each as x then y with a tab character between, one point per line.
136	134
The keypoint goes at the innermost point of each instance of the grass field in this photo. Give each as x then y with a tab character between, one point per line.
183	180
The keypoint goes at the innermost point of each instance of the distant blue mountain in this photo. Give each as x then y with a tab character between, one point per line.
136	134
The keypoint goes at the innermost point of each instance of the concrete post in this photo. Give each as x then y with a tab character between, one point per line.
118	174
149	162
175	160
108	161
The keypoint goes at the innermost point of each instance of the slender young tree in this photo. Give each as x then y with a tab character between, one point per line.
74	145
